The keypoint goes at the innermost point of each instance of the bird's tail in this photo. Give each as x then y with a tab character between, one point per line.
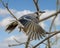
11	26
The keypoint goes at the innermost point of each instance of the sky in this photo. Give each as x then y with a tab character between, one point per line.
19	8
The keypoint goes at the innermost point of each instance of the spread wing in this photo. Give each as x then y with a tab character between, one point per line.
32	28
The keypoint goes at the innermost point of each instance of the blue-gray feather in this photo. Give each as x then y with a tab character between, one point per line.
30	24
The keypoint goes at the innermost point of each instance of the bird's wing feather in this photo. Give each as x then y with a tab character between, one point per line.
37	31
10	27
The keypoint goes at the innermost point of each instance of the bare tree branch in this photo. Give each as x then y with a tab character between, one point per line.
37	7
53	22
8	10
54	14
36	4
46	39
16	44
28	41
49	45
16	40
19	43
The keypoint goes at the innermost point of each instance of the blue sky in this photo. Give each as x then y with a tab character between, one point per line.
28	4
20	7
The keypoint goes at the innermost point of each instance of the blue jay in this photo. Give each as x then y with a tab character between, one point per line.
30	25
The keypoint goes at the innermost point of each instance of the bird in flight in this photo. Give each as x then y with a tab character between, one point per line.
29	25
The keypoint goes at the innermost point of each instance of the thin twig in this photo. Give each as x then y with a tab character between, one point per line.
8	10
16	40
57	8
16	44
28	41
37	7
36	4
39	13
46	39
50	16
19	43
49	46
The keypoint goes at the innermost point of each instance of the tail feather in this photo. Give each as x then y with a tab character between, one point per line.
11	26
